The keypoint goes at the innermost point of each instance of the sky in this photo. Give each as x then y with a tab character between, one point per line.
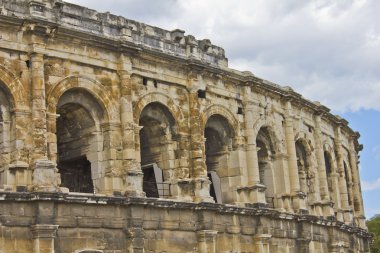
327	50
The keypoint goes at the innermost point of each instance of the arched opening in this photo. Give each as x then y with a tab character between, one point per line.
265	152
348	183
306	175
157	149
79	142
328	167
218	134
6	133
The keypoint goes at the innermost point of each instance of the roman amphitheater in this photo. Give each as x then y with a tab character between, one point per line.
117	136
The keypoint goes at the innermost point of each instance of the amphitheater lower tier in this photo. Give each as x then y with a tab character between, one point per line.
68	223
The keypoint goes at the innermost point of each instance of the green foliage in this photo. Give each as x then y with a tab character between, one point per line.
374	227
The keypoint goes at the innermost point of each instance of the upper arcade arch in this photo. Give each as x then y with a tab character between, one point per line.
222	111
158	147
91	86
78	137
266	160
308	174
12	84
169	103
265	123
219	135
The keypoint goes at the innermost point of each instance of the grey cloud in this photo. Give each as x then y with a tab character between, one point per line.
327	50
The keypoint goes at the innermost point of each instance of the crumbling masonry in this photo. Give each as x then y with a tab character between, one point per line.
116	136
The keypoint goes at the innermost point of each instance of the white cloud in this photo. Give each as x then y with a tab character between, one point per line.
376	152
370	186
327	50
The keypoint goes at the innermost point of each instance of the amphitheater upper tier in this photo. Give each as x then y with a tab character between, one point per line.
116	135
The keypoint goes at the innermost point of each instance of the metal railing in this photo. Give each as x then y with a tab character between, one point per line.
156	190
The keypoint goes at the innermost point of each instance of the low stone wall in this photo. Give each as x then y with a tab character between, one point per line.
62	223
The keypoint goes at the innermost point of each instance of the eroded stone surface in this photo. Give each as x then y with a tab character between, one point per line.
94	106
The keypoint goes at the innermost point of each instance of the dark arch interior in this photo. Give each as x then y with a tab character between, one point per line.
303	168
74	127
158	130
77	147
265	152
347	177
328	167
327	162
218	134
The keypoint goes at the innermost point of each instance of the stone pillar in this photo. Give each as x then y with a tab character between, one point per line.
303	245
52	137
298	198
43	238
207	241
262	243
254	190
135	240
347	212
181	187
113	179
16	176
45	174
131	133
322	175
358	200
197	144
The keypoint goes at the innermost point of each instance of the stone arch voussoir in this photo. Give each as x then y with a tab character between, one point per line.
303	137
14	87
275	138
223	111
166	101
100	93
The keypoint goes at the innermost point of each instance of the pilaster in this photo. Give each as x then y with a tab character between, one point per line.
207	241
262	243
197	144
135	240
45	174
358	200
130	133
297	196
253	192
346	209
322	175
43	237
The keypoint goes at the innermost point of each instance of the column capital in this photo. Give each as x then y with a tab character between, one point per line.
206	235
44	231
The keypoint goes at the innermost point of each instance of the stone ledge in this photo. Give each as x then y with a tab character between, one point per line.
84	199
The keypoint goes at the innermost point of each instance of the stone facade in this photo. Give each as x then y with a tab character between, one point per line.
116	136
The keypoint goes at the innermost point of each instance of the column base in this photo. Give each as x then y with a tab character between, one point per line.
298	202
348	216
328	209
201	188
206	241
253	195
181	190
17	177
134	184
46	177
361	221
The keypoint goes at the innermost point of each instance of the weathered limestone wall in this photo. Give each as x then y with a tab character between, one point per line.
110	224
113	96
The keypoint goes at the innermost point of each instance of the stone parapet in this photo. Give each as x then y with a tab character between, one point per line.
138	224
